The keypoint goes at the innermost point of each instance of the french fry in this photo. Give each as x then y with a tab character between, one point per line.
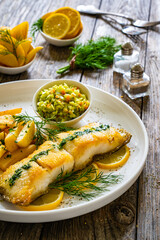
11	111
26	135
11	137
10	158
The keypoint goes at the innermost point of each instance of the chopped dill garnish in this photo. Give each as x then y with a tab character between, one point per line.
78	183
36	27
92	55
81	133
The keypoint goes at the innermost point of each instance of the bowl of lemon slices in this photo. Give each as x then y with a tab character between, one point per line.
62	27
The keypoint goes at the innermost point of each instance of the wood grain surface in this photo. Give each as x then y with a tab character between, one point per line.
136	214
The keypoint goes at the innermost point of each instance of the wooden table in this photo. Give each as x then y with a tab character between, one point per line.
136	214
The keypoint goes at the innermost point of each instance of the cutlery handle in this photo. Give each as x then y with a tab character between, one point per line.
94	11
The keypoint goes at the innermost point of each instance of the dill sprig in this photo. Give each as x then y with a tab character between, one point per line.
6	37
36	27
92	55
78	183
42	133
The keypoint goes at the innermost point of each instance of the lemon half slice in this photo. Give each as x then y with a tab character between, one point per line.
56	25
75	20
49	201
115	160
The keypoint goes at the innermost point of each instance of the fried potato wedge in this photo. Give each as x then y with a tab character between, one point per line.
2	135
6	121
26	135
2	150
10	158
11	137
32	53
20	31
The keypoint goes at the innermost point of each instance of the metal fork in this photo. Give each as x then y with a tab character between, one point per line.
130	31
90	9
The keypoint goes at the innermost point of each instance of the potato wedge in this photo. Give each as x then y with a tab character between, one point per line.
11	111
7	58
26	135
10	158
11	137
26	45
6	121
20	31
2	150
32	54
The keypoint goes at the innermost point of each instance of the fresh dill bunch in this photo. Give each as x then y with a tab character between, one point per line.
42	133
36	27
92	55
78	183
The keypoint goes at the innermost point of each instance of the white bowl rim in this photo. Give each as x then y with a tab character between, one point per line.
89	97
62	40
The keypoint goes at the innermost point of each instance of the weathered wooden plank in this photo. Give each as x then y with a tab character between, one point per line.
149	191
105	80
118	219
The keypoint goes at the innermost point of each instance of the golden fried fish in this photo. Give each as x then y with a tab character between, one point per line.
24	181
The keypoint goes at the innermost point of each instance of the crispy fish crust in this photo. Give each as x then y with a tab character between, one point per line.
84	147
75	155
34	181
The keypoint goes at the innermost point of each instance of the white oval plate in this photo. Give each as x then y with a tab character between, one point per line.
106	108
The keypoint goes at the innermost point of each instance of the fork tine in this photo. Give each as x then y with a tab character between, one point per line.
135	38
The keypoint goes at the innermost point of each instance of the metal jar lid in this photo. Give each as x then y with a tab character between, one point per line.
127	48
137	71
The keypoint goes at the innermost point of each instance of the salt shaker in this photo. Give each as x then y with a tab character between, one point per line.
125	58
136	82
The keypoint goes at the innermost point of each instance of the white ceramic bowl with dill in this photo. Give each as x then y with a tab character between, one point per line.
16	70
83	89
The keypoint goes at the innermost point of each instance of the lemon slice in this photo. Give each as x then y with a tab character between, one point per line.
56	25
115	160
49	201
75	20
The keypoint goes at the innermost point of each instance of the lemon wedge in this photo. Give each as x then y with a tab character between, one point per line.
49	201
56	25
115	160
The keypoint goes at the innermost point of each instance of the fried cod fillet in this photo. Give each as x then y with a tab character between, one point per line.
101	140
26	180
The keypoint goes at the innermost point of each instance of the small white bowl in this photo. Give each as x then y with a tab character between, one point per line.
60	42
83	89
15	70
